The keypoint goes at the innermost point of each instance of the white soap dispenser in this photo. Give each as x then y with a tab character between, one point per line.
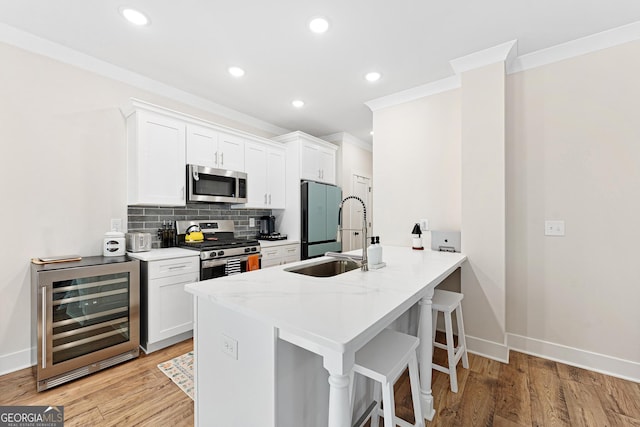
378	250
371	252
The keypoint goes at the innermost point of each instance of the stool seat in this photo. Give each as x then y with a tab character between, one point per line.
383	359
447	302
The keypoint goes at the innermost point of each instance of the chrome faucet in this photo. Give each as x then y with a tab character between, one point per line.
364	266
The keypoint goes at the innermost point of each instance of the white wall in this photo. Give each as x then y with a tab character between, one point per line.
62	173
416	167
572	153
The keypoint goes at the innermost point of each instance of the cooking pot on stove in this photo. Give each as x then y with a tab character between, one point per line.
194	234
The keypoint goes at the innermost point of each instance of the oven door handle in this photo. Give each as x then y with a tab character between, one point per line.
213	263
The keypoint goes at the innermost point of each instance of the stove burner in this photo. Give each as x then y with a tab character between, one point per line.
273	237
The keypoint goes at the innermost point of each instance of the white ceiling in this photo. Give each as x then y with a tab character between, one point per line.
190	44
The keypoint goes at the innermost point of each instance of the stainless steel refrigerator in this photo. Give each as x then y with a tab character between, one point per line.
320	204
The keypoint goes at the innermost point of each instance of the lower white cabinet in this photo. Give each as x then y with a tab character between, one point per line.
166	310
279	255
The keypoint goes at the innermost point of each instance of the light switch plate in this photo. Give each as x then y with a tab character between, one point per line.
424	224
252	222
554	228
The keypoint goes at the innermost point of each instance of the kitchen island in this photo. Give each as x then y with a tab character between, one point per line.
249	326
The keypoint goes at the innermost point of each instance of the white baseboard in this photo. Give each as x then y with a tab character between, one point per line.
488	349
15	361
608	365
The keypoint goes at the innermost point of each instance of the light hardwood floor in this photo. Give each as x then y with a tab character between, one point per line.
529	391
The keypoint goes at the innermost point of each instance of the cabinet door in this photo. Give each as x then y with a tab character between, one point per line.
171	307
256	169
327	165
202	146
276	178
231	152
309	162
158	169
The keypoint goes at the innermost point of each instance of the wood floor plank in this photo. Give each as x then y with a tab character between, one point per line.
583	404
548	405
619	420
620	396
499	421
477	405
513	401
580	375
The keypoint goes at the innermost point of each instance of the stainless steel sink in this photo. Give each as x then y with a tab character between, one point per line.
327	268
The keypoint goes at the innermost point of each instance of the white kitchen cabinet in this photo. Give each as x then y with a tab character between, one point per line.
279	255
265	166
231	152
209	147
318	162
166	310
155	160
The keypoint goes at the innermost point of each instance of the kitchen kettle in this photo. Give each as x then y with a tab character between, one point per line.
194	234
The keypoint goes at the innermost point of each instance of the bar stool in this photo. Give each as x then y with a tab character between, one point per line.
446	302
383	360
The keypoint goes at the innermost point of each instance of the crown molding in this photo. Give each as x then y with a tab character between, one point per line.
602	40
502	52
40	46
346	138
412	94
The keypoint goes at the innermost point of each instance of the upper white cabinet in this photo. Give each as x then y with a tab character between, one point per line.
214	149
156	159
317	162
265	166
231	152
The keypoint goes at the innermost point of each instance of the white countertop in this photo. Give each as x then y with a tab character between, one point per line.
163	253
332	312
272	243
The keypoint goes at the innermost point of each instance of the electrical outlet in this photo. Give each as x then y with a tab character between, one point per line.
424	224
554	228
116	224
252	222
230	346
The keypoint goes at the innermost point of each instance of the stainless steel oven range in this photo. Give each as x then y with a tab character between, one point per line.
221	253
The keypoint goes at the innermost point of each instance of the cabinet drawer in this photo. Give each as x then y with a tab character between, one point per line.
173	267
270	253
290	250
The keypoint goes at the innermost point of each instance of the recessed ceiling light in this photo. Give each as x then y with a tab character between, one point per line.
134	16
297	103
236	71
371	133
373	76
319	25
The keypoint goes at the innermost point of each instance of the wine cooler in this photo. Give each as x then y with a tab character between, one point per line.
86	317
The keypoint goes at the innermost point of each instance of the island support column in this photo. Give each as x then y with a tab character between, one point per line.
425	331
339	367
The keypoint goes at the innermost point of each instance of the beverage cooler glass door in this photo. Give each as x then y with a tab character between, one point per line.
86	314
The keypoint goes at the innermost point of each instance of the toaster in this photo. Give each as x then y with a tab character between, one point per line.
138	242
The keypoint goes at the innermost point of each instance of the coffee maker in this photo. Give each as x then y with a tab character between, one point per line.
268	229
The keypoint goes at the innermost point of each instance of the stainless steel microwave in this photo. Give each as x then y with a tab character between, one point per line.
206	184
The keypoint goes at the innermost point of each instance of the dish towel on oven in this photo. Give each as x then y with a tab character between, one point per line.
253	262
232	267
